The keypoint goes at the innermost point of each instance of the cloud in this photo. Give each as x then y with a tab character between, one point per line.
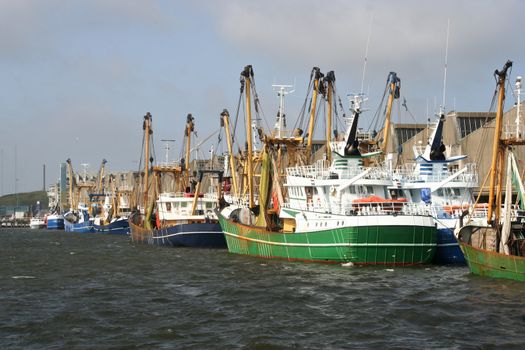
407	36
37	29
336	32
101	65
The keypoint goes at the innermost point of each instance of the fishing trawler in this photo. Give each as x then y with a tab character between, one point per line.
184	217
336	212
54	220
437	181
110	214
495	247
77	219
88	212
110	220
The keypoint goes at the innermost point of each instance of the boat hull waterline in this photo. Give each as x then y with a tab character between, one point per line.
487	263
119	227
360	245
205	235
448	250
81	227
55	222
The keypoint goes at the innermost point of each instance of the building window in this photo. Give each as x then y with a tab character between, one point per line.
405	134
467	125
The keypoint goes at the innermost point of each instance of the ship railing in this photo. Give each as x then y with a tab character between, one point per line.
378	173
172	194
477	211
317	170
321	171
241	201
409	174
454	211
386	208
369	208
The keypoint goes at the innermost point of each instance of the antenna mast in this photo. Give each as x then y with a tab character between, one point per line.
167	148
518	106
281	92
366	53
442	109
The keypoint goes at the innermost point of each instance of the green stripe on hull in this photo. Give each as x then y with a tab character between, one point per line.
378	245
491	264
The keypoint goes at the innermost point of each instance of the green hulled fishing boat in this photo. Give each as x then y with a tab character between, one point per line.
495	246
487	263
367	244
336	212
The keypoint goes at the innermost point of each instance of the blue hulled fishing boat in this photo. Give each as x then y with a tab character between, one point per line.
184	216
78	221
444	186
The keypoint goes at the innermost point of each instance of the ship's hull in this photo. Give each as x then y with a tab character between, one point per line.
119	227
82	227
361	245
448	250
55	222
491	264
205	235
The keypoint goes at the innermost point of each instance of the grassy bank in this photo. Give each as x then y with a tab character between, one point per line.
26	198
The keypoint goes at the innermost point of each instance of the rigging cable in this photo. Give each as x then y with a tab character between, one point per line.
300	119
375	120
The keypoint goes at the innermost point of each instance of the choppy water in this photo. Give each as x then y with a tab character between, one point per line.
84	291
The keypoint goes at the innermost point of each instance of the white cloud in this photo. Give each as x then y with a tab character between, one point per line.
407	36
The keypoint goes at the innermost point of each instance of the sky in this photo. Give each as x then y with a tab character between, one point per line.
78	76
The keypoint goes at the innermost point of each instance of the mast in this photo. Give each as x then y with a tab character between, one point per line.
225	117
393	81
70	174
147	132
101	175
196	197
497	148
317	76
518	106
189	129
446	66
167	149
330	79
281	117
247	74
114	198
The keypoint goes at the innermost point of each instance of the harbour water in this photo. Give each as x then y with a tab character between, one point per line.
85	291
